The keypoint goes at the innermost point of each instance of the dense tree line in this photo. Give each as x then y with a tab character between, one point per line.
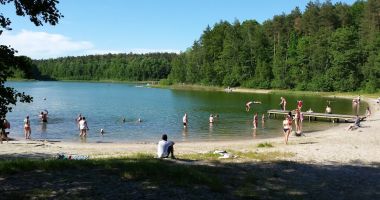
121	67
328	47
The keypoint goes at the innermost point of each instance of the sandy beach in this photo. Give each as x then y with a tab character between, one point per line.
332	146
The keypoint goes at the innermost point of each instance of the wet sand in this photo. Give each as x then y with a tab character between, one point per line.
332	146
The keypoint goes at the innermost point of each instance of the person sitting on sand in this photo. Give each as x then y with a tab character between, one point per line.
165	148
248	104
356	123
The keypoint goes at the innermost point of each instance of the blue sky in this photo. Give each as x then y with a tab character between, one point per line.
139	26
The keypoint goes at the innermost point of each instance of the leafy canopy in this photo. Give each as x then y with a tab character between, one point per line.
39	12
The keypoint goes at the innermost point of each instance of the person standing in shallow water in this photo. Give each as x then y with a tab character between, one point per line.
43	116
299	104
185	120
83	127
255	121
283	103
27	129
78	119
211	119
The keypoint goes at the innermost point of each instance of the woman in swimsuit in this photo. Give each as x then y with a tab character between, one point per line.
27	130
286	129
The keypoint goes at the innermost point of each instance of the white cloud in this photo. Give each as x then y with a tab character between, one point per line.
43	45
39	45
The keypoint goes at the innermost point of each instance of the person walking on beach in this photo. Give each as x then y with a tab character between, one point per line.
185	120
248	104
286	129
165	148
27	129
255	121
83	127
283	103
289	117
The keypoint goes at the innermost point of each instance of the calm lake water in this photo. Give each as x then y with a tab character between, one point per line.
106	104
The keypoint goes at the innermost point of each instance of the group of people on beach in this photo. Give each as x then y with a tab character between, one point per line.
287	123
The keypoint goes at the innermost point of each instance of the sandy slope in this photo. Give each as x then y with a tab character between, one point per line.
332	146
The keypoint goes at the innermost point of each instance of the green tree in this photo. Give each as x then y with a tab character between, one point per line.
39	12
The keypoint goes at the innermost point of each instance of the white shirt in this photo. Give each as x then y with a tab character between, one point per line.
82	124
211	119
184	119
162	148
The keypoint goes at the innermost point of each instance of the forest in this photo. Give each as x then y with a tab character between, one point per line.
118	67
326	47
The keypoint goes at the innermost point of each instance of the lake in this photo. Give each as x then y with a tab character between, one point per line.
105	105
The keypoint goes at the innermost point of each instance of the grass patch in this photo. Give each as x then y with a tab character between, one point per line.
137	167
265	144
